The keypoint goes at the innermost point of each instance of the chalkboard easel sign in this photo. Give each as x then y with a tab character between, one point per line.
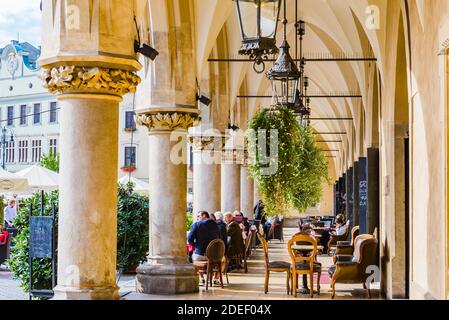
41	237
42	246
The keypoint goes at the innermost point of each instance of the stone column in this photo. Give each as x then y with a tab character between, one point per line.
355	186
230	181
246	193
373	193
89	73
167	270
88	183
230	187
206	173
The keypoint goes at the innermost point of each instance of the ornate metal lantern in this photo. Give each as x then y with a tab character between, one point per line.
258	41
284	77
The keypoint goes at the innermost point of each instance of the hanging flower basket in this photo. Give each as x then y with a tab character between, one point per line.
131	168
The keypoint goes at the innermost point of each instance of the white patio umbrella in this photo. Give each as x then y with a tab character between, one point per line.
139	185
40	178
12	183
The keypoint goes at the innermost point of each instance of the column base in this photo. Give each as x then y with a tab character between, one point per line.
72	293
167	279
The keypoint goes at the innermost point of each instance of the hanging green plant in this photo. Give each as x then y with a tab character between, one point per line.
313	172
272	148
286	163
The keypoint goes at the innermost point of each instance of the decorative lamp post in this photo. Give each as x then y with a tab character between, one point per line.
284	75
4	142
259	41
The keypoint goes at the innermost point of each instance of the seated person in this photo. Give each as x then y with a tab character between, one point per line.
201	234
3	235
235	241
221	226
340	229
274	220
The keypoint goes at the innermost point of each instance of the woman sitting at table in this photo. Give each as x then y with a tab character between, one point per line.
340	229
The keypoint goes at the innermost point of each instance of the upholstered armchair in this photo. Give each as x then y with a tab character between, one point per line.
347	247
332	244
353	269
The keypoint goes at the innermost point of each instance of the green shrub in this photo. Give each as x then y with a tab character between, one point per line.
132	237
19	265
133	228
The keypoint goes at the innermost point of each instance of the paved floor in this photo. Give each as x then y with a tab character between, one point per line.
242	286
9	288
249	286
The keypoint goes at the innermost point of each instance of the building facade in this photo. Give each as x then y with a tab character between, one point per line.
30	115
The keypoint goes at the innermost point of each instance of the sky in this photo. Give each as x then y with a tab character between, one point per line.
21	17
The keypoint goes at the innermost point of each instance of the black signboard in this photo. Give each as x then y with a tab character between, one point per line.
41	237
363	196
350	196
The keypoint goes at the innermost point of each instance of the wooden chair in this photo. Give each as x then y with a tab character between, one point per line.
215	252
304	263
274	266
247	253
354	270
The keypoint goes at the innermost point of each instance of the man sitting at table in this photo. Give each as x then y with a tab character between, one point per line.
201	234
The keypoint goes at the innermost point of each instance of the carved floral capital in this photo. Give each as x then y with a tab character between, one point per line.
200	143
74	79
168	120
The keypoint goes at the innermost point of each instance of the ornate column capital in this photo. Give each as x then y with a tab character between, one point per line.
73	79
206	142
168	119
233	156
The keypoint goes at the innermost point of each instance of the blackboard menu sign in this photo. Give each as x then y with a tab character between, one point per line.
41	237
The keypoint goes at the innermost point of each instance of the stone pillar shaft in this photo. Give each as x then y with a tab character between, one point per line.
206	175
230	187
88	198
246	193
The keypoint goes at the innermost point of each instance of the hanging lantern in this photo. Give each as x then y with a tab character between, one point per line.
260	40
284	77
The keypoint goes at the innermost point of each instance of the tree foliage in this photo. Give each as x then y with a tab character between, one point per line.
50	161
301	165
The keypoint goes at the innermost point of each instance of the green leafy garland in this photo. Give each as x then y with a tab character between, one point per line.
301	165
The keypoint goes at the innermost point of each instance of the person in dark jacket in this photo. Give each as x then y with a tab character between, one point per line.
201	234
259	212
235	241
